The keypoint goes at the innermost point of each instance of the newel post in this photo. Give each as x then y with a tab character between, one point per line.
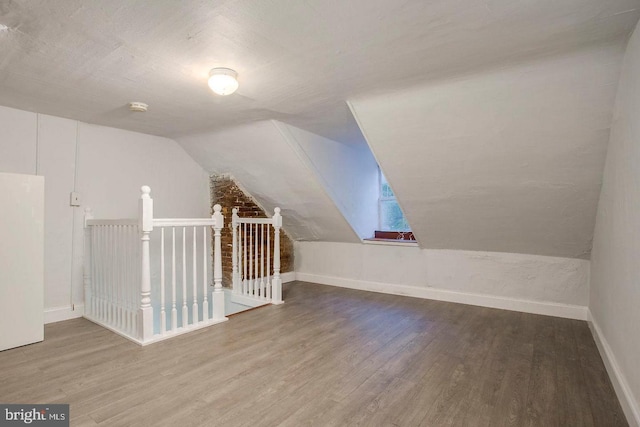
236	279
145	313
87	265
217	299
276	297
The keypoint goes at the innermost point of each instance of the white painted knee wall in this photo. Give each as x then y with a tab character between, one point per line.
529	283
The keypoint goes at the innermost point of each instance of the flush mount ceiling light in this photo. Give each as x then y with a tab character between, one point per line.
223	81
139	107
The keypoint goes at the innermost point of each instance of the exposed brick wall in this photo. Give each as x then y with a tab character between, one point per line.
225	191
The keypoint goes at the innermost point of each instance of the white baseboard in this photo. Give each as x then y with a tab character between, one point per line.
506	303
288	277
58	314
157	337
248	301
627	400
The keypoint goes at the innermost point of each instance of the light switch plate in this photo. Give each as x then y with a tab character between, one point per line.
75	199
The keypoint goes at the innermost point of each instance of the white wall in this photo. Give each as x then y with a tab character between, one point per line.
56	161
18	142
113	164
506	160
107	167
347	171
532	283
615	270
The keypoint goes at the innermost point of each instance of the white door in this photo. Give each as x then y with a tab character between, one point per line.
21	259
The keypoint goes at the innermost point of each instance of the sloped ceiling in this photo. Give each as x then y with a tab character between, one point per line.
262	161
347	172
298	60
509	160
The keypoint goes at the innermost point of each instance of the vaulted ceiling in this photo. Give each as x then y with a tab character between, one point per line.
489	118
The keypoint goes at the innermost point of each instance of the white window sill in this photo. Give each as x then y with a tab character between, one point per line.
391	242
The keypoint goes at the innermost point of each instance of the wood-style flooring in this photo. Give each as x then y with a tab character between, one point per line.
327	357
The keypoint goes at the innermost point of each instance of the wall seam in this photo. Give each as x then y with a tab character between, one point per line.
73	221
37	142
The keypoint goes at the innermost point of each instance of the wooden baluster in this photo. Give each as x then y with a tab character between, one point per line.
87	263
113	279
218	295
121	290
97	256
133	271
262	261
103	286
145	317
268	261
107	269
194	307
277	282
205	302
94	276
123	271
251	276
128	254
136	277
105	274
240	261
118	283
174	310
163	315
185	310
245	262
94	271
234	252
127	277
105	261
256	283
114	276
124	263
110	275
95	285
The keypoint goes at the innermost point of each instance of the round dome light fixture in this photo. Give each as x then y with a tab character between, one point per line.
223	81
139	107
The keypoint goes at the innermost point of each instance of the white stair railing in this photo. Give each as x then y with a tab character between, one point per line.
256	270
110	284
122	294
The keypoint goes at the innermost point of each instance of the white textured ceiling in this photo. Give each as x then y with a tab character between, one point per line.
298	60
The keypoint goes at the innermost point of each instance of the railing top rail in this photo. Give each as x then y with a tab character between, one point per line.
121	221
183	222
255	220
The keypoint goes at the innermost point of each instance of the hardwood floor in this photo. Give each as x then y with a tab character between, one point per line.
328	357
